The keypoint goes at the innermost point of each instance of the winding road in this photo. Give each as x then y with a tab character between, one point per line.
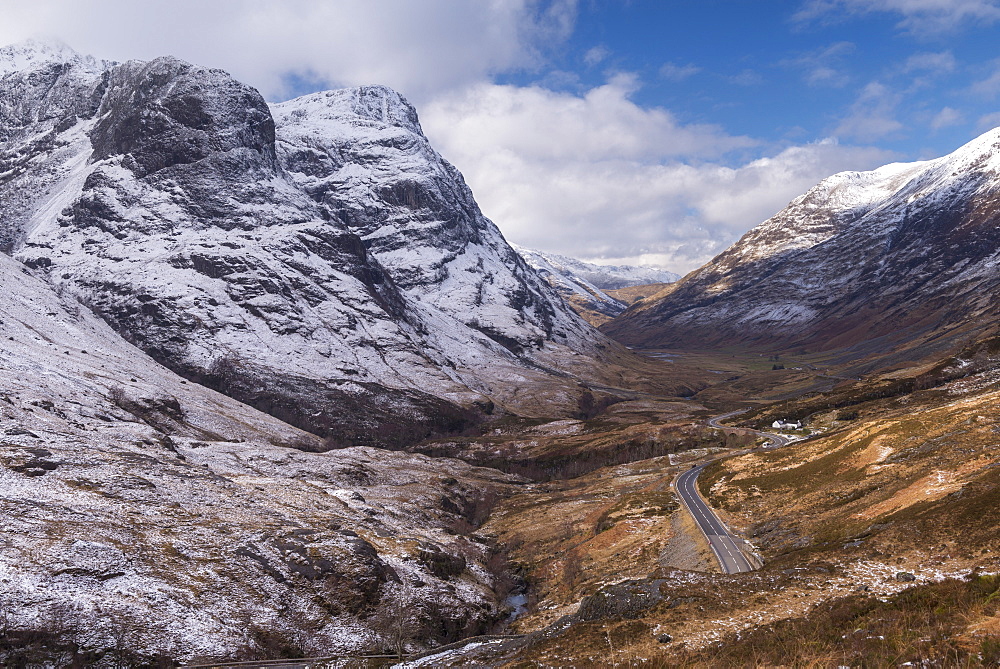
725	544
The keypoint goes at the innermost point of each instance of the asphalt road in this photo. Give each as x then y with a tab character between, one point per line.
724	543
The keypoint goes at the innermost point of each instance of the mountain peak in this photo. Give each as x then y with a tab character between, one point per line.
879	257
34	52
378	104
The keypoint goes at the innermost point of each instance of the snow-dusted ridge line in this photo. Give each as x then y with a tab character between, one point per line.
35	53
584	284
911	244
601	277
322	239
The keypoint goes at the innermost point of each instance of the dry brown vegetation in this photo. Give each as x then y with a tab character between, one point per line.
632	294
925	467
927	626
569	538
571	448
880	536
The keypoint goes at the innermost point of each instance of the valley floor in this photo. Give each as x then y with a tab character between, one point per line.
876	526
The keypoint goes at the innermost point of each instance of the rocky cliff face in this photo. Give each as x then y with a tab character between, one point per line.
361	155
330	269
906	254
149	517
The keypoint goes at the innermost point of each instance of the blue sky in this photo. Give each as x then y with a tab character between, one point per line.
644	132
787	71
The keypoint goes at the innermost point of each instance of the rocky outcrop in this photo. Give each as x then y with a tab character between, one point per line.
149	519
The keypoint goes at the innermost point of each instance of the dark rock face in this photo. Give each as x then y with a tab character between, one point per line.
368	415
871	261
627	599
338	259
360	153
37	108
50	95
168	113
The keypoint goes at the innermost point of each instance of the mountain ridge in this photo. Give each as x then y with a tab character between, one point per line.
878	260
164	196
585	285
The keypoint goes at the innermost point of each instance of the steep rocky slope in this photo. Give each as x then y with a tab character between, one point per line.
145	515
342	279
586	286
903	255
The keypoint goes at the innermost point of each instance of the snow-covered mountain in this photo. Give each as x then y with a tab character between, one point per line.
904	255
148	516
583	284
603	277
317	259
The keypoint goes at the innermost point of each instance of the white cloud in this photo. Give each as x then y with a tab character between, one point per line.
947	117
927	67
872	116
932	62
988	121
747	77
822	66
418	48
924	17
597	176
601	124
990	86
596	55
675	72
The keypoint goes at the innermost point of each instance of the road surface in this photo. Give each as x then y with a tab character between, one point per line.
724	543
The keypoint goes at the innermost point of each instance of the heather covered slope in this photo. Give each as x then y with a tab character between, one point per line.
342	279
903	255
879	538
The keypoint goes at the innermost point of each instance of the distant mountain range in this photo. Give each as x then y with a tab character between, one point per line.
584	285
902	257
